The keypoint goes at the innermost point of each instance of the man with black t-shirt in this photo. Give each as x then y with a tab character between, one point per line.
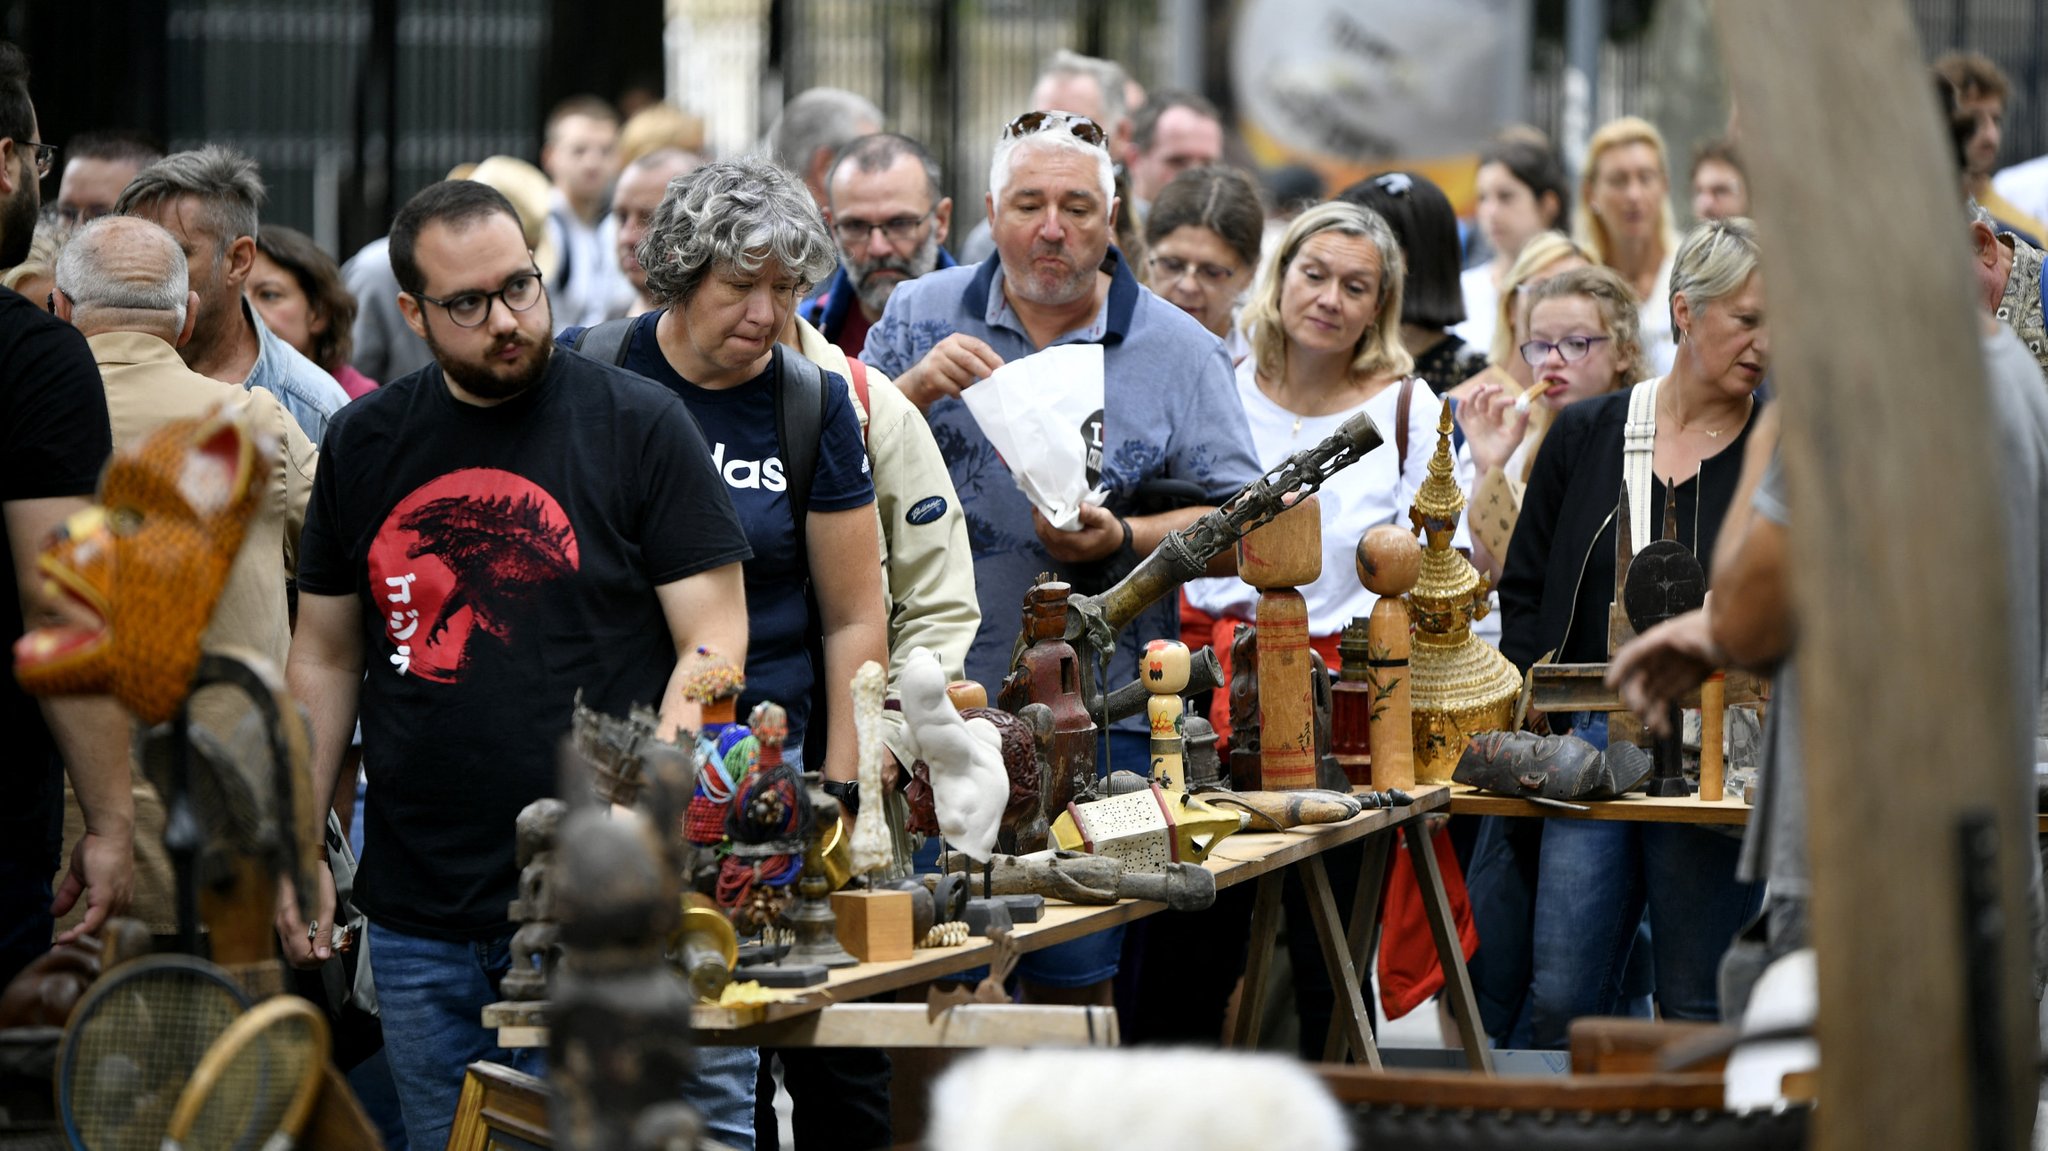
53	440
487	537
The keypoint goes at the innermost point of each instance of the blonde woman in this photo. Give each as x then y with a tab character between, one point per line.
1624	220
1325	331
1581	341
1558	930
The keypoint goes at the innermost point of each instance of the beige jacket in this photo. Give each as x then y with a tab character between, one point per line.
148	386
927	569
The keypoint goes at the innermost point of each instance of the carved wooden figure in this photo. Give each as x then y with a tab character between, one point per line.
533	944
1276	559
1351	704
1164	671
1389	562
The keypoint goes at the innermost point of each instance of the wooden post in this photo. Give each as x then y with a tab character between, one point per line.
1389	562
1713	730
1839	125
1277	558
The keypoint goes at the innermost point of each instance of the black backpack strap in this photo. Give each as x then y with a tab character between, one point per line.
799	428
607	341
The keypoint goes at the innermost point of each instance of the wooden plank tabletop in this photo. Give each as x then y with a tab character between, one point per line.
1239	858
1631	808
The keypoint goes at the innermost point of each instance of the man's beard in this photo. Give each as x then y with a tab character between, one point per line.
483	379
874	293
18	225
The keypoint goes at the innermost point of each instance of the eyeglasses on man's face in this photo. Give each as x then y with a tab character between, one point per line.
45	155
470	309
1084	129
1167	269
1572	348
854	233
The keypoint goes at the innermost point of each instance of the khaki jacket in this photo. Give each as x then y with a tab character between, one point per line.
149	386
927	569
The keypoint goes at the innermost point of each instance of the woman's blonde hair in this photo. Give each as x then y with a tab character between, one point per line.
1616	304
1587	227
1717	258
43	249
1542	250
1379	349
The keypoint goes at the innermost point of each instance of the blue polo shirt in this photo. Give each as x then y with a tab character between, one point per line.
1170	411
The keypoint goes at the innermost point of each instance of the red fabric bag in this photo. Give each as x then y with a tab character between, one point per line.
1409	970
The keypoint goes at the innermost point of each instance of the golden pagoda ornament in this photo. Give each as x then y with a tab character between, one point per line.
1460	685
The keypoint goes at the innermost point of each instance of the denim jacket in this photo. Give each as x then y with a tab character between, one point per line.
302	386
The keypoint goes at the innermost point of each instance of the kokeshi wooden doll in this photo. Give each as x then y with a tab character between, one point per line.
1276	559
1389	563
1713	722
1351	702
1164	672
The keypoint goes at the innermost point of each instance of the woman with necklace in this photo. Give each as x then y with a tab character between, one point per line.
1324	325
1557	922
1624	219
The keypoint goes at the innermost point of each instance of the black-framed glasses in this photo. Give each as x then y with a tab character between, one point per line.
45	154
1031	123
1167	269
899	229
472	308
1572	348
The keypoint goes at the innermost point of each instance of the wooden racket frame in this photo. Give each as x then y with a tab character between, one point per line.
116	980
231	1044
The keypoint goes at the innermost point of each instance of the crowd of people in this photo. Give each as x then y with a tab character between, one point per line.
551	433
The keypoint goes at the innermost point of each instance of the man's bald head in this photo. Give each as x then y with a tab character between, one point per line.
124	274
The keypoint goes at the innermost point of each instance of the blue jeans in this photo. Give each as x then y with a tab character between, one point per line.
431	994
1594	880
721	1088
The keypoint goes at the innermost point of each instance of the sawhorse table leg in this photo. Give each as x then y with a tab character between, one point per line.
1457	980
1349	1005
1258	960
1365	923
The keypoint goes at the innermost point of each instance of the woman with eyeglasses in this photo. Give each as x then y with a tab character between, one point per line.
1558	906
1580	340
1203	235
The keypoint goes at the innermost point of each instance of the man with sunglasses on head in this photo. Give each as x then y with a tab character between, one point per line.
890	222
1170	413
489	536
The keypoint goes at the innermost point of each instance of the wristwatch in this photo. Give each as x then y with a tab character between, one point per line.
847	792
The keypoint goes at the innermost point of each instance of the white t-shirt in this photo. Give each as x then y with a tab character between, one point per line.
1660	343
1362	496
1482	308
2025	186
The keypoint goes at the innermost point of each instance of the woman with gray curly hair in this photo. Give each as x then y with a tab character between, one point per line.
733	247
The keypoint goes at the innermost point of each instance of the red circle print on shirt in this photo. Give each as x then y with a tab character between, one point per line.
461	562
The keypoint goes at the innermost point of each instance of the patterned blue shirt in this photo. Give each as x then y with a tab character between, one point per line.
302	386
1170	412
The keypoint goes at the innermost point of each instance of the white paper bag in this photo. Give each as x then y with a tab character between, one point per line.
1043	414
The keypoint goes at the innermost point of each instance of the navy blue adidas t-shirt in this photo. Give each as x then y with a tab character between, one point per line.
739	424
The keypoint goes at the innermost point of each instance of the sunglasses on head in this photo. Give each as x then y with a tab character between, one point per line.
1030	123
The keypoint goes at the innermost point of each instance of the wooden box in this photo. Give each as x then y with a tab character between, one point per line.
874	925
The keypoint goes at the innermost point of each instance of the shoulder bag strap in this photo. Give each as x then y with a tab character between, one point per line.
607	341
1638	449
857	375
1401	429
799	425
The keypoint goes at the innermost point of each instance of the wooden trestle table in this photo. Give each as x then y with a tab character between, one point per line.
828	1015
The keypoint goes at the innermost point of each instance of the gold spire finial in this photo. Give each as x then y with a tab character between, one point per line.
1440	502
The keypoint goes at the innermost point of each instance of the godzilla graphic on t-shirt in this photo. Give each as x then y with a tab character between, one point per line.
460	562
